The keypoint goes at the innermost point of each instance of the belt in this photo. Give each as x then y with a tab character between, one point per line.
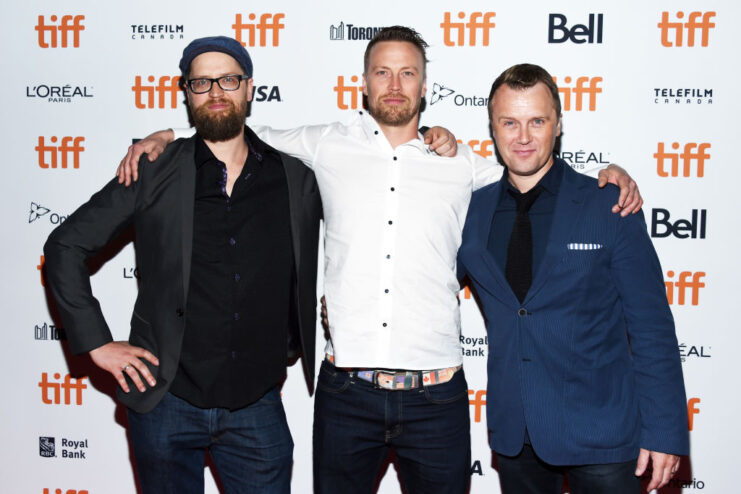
401	380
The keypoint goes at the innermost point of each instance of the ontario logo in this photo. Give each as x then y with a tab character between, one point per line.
37	211
441	92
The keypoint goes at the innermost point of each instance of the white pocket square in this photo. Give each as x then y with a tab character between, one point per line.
578	246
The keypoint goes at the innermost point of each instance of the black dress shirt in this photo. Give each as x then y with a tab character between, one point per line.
240	299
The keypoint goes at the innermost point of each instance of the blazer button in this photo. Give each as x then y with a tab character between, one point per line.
522	312
179	312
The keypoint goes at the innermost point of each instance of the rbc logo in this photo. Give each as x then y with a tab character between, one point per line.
559	32
64	28
688	157
268	22
691	26
59	155
355	92
166	86
477	21
578	92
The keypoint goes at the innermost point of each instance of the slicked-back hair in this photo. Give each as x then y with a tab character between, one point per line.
524	76
397	33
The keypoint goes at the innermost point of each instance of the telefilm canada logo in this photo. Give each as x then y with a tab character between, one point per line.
68	448
352	32
157	32
682	96
38	212
441	92
52	93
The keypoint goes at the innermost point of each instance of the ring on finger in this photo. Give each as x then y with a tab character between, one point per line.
127	367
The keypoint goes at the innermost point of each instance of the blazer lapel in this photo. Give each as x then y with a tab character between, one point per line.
293	181
187	169
568	206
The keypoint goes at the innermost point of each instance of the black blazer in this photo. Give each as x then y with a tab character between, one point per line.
160	205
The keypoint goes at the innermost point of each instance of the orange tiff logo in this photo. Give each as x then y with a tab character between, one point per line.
268	23
687	280
690	27
484	149
693	156
355	93
454	33
40	267
48	32
584	86
167	91
692	410
53	156
478	402
60	393
63	491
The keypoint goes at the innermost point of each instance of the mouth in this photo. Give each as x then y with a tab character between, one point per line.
394	100
524	153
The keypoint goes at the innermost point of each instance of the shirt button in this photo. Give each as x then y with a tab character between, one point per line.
392	189
236	277
384	325
376	132
391	222
386	290
179	312
522	312
388	256
394	158
232	241
236	316
228	209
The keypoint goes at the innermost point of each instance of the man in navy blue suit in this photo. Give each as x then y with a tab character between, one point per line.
583	361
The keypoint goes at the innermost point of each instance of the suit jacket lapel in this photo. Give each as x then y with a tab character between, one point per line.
568	206
293	181
185	161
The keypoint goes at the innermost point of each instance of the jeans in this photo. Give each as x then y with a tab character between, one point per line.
356	424
528	474
251	447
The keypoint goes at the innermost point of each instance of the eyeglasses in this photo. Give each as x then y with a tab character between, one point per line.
226	83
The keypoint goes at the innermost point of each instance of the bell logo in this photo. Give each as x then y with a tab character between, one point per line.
478	402
692	25
476	21
484	149
63	491
58	156
578	34
693	153
67	24
694	284
695	227
692	410
166	86
584	85
355	92
268	22
67	385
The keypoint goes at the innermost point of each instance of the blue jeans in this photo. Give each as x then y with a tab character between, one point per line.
526	473
356	424
251	447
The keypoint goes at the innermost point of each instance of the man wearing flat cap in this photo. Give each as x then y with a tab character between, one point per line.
226	244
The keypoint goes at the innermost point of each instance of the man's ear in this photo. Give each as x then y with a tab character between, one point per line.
558	127
249	89
365	85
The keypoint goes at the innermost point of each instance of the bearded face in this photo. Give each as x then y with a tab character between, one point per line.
219	119
393	108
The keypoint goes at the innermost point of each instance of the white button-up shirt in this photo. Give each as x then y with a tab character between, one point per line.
393	222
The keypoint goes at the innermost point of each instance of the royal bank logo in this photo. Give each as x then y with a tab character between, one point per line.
59	94
48	332
441	92
352	32
474	346
585	160
36	211
682	96
693	352
157	32
47	448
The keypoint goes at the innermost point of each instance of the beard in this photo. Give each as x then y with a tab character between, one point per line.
393	115
220	125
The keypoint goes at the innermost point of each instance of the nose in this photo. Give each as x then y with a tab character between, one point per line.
215	91
524	135
395	82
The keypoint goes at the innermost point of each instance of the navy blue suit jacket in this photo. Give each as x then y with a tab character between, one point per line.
589	361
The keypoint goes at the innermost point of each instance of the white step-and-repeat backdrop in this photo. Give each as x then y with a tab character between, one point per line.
650	85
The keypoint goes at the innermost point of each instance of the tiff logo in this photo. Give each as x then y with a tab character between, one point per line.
693	153
40	267
478	402
691	26
483	148
692	410
64	28
354	91
62	491
680	287
578	92
68	385
482	21
268	22
166	86
59	156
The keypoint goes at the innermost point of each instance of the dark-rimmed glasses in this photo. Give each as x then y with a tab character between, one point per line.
225	82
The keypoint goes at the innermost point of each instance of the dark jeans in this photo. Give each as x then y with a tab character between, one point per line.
356	424
251	447
528	474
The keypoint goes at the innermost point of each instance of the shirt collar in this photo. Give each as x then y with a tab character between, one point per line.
373	132
550	182
256	147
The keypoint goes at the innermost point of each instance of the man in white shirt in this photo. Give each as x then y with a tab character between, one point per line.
393	214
